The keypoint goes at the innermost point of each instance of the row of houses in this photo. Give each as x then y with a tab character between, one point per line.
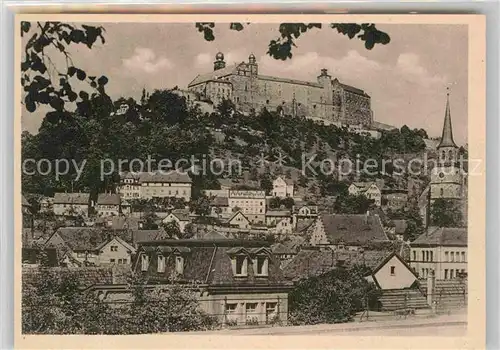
244	281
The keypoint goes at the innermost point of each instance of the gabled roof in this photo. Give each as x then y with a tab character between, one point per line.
443	236
71	198
209	262
108	199
364	185
181	214
236	214
355	229
278	213
313	262
79	238
215	75
304	225
388	258
166	177
280	248
119	240
149	235
289	182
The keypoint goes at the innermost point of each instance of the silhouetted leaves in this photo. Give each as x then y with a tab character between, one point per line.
281	48
39	71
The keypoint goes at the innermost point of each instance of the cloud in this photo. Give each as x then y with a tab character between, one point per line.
203	59
409	66
145	60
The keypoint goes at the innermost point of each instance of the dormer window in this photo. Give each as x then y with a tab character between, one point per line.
144	262
240	265
261	265
161	263
179	265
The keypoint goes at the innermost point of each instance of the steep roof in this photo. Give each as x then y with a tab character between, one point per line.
78	238
280	248
353	229
303	225
215	75
278	213
108	199
313	262
210	262
443	236
181	214
71	198
447	135
172	176
148	235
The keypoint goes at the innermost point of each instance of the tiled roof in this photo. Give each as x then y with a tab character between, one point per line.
280	248
148	235
445	236
215	75
214	235
181	214
304	225
308	263
71	198
278	213
353	229
108	199
172	176
210	262
85	276
79	238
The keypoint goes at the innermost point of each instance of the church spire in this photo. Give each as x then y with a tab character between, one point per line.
447	136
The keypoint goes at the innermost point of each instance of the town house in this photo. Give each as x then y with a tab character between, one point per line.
251	203
283	187
347	231
441	250
240	280
161	185
71	204
108	204
369	189
180	216
79	246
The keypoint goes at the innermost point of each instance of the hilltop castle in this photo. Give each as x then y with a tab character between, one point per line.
326	99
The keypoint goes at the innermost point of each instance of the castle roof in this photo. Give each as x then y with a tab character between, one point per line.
215	75
447	136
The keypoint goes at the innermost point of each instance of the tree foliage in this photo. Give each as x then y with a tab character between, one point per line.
333	297
446	213
281	47
54	303
349	204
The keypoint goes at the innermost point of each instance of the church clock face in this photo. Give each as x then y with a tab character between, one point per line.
441	175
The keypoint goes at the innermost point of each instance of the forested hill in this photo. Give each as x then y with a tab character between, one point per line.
163	126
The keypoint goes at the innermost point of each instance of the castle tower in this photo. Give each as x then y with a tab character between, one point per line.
252	63
447	178
326	83
219	61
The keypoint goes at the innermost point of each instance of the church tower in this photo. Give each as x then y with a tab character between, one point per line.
447	178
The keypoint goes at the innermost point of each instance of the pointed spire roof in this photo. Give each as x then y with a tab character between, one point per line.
447	136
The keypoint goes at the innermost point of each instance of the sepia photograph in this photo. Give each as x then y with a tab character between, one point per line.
290	176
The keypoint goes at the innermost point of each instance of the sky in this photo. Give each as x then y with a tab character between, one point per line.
406	79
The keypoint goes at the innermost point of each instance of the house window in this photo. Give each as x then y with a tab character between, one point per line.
393	270
262	263
112	261
445	274
452	256
80	255
114	248
423	255
463	256
451	274
179	264
161	263
441	192
446	257
251	307
231	308
144	262
240	264
432	257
